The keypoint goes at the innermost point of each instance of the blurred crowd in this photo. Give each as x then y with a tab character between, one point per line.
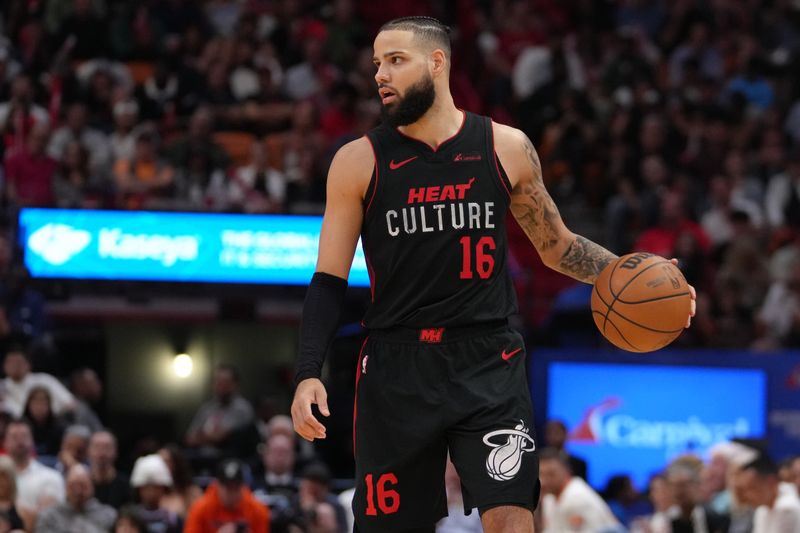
671	127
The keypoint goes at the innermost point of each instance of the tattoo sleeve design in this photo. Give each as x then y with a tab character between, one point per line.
538	216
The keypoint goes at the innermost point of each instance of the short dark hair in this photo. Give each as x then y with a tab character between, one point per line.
232	370
427	29
763	466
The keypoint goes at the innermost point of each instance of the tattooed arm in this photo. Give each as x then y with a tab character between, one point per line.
538	215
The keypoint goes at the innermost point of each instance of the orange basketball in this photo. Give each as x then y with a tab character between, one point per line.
641	302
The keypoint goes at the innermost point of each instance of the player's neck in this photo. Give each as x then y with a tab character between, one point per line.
441	122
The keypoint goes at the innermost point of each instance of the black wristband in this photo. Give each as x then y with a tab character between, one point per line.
321	312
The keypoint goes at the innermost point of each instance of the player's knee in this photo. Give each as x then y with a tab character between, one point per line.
507	519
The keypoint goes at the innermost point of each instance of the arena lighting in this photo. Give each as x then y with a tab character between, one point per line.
183	365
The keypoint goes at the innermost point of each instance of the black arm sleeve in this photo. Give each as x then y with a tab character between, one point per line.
321	312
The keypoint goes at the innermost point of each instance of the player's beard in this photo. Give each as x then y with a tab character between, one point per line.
412	106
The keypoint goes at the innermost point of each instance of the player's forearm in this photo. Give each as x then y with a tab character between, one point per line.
581	258
321	312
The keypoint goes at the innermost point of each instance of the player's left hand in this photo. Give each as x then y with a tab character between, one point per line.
693	293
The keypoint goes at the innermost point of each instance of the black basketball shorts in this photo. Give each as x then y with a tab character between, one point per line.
422	393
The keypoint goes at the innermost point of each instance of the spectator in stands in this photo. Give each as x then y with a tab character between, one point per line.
258	187
621	496
74	447
778	320
568	502
92	140
198	140
126	129
673	222
184	490
88	390
304	450
315	489
17	518
151	481
796	472
298	151
660	497
555	436
129	521
30	171
145	179
278	460
20	380
76	186
688	513
228	504
38	486
314	76
81	511
222	420
782	199
111	486
48	429
20	114
777	504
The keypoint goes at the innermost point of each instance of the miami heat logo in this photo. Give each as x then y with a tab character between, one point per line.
505	459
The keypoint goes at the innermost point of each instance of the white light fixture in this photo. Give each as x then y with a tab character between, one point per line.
183	365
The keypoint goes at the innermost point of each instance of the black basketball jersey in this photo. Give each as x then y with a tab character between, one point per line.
434	232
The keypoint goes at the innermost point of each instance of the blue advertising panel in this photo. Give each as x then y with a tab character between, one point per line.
188	247
635	418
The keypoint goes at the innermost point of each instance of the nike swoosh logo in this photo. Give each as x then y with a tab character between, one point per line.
509	355
395	166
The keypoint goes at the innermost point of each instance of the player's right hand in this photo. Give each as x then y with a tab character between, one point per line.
309	391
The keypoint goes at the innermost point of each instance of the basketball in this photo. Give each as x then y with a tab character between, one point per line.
641	302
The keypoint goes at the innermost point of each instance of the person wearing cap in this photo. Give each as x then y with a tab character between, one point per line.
151	480
228	506
315	489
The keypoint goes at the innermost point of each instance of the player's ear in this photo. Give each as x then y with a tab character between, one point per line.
438	62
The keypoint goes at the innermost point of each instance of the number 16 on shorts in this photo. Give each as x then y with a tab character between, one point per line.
382	492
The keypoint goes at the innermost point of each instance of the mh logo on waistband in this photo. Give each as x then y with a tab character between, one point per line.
432	335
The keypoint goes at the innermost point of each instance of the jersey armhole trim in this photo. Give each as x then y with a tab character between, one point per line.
501	175
374	180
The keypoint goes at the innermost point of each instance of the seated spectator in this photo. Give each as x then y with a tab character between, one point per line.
777	504
228	503
688	514
323	519
123	139
673	222
88	390
778	320
151	481
184	490
81	511
129	521
277	456
568	502
48	429
76	186
782	199
30	171
220	422
304	450
20	380
19	115
76	130
74	447
198	140
621	496
110	485
555	436
258	187
17	518
38	486
145	178
25	311
315	489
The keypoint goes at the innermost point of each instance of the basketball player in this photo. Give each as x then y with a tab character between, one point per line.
440	370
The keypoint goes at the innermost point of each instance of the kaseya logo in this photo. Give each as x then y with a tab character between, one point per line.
508	445
58	243
602	425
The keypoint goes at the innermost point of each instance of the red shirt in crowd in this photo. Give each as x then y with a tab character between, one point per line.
208	514
31	176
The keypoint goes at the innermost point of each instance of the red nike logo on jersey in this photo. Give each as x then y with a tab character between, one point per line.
395	166
508	355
